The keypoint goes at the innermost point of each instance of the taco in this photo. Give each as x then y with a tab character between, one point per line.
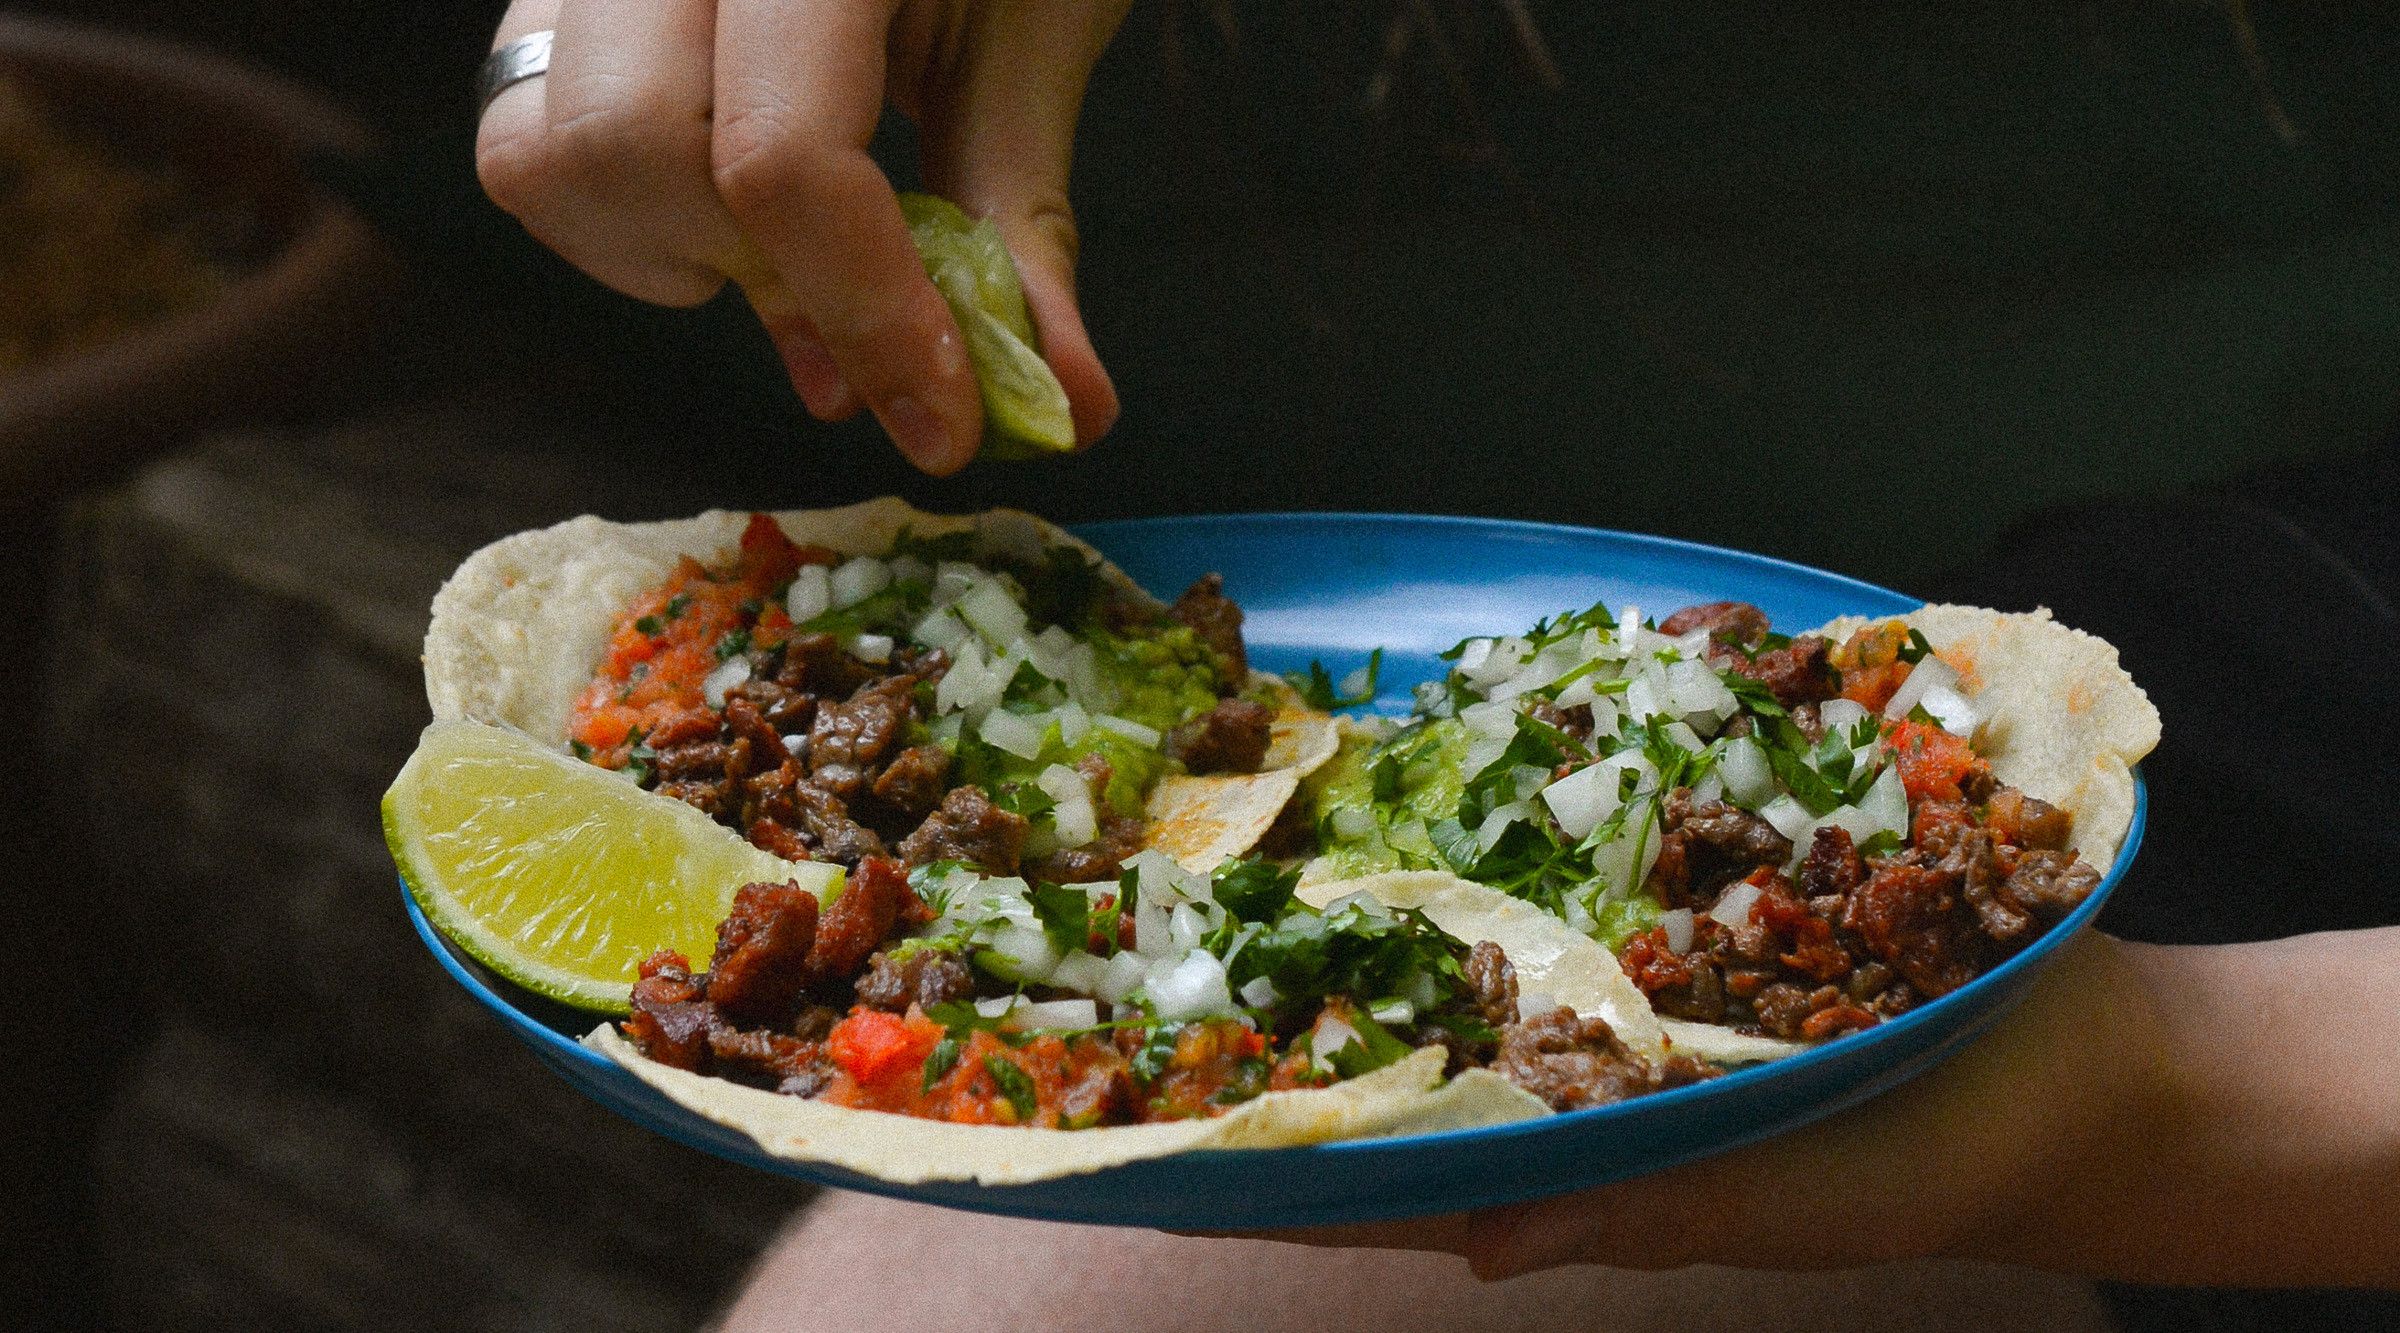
845	683
1783	839
895	1032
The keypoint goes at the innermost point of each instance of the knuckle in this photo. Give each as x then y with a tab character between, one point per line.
632	128
757	161
514	169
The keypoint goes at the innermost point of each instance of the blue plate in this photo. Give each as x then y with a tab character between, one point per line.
1332	587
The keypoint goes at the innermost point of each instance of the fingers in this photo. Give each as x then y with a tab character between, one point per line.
799	85
600	157
1000	137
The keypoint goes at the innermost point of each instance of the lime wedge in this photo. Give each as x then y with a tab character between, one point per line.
1024	407
559	875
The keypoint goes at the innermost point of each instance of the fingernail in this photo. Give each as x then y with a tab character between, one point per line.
920	434
816	377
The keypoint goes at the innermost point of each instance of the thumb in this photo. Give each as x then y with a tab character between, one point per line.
1000	139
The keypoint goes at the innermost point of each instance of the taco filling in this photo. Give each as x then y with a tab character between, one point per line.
1163	995
1789	836
932	703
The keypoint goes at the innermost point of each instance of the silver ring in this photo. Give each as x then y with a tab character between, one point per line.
528	57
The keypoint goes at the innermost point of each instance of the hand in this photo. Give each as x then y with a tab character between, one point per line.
1947	1165
676	144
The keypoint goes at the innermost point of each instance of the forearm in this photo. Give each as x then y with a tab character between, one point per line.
2259	1143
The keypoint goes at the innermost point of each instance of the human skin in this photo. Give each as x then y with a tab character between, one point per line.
679	144
2223	1115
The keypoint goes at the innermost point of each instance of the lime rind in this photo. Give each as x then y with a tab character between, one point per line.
559	875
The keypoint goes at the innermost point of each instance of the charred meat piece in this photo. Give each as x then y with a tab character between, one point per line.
968	827
670	1018
1101	858
815	664
1218	622
763	947
2027	821
1492	981
1737	623
925	978
859	919
1707	844
1909	916
1800	672
1571	1062
912	784
1229	738
851	737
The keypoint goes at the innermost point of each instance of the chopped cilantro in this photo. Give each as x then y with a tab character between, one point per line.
1882	842
678	604
1065	914
1157	1051
1916	649
1375	1047
943	1059
1318	690
1254	890
650	625
582	751
1014	1085
735	642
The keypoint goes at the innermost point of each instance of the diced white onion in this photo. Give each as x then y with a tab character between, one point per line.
1583	798
1472	655
1057	1015
1494	721
1841	714
1747	774
993	613
1708	789
1678	925
1528	779
1733	907
1132	731
1354	684
1397	1011
1790	818
858	579
1184	928
1694	688
996	1007
1122	977
1152	926
910	569
811	594
953	579
1682	734
1073	723
1927	673
796	744
1327	1039
941	629
1073	816
1642	701
873	649
1191	988
1012	733
1951	709
729	673
1533	1004
1886	802
1258	992
1029	948
1080	971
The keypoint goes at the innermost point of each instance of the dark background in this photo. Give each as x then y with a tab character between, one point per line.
2025	302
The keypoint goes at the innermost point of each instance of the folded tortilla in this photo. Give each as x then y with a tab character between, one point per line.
1406	1097
518	631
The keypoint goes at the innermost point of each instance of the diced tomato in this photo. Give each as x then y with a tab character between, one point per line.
1932	761
872	1046
1874	686
605	727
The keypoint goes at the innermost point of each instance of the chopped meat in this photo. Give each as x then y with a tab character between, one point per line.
1797	673
670	1016
1229	738
711	797
2047	885
1737	623
1907	914
1100	859
787	710
968	827
858	920
820	819
849	738
925	978
1704	846
1571	1062
1218	621
1832	868
767	835
2027	821
759	1056
1575	719
815	664
1492	981
763	948
912	784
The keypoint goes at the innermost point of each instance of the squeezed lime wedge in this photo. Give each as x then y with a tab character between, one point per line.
1024	407
559	875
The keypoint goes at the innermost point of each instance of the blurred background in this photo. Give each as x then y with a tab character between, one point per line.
1805	279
